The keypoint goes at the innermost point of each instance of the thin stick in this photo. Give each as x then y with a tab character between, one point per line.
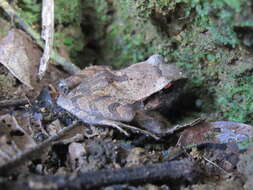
47	34
181	127
10	12
216	165
13	102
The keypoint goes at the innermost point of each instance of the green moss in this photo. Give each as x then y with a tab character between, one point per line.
203	49
68	12
118	37
5	26
30	11
235	99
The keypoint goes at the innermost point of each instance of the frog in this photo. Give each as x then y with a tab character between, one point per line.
113	98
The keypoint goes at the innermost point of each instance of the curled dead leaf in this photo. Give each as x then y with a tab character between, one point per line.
13	55
20	55
219	132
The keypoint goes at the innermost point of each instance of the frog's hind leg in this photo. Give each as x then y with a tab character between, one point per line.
113	124
118	125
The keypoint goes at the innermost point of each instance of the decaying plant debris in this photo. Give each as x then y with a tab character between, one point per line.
137	127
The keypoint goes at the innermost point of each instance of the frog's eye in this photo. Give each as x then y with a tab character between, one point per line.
62	87
168	85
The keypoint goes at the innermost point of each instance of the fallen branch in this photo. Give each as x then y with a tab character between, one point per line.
10	12
13	102
168	172
173	172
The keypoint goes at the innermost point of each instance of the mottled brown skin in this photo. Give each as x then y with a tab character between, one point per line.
74	80
111	97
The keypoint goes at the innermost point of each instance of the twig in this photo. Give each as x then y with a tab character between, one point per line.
33	152
13	102
172	172
10	12
181	127
216	165
47	34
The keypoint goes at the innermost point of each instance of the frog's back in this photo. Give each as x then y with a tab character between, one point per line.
92	102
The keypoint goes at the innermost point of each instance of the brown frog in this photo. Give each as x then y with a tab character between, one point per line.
112	98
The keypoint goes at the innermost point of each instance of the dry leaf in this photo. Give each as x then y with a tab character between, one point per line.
13	55
20	55
220	132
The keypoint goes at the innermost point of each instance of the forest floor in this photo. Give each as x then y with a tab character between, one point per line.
116	125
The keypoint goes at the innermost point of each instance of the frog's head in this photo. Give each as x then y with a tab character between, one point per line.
148	77
168	74
168	71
